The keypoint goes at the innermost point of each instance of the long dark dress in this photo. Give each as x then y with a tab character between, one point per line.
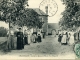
78	35
39	38
25	40
20	44
59	38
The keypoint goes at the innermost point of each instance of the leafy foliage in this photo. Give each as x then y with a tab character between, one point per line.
3	32
71	14
14	11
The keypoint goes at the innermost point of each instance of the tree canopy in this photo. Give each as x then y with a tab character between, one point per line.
71	14
30	18
14	11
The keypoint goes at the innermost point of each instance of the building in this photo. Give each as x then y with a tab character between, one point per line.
53	28
44	17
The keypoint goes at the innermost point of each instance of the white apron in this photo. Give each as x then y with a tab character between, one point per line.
71	41
63	39
29	37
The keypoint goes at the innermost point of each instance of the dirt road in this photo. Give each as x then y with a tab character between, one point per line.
49	47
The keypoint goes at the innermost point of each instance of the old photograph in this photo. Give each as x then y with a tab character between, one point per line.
33	29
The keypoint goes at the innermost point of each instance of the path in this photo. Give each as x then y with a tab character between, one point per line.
49	47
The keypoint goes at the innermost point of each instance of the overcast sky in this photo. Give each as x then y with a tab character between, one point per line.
56	17
36	4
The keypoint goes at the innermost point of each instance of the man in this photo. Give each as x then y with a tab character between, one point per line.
10	42
20	44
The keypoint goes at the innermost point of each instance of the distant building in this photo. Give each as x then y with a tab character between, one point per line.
44	17
53	28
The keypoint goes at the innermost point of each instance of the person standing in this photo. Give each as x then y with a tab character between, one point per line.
20	44
59	36
35	35
76	36
10	42
32	38
29	36
69	35
79	35
39	36
71	41
25	37
64	39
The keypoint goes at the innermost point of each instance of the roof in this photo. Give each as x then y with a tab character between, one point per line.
40	12
53	25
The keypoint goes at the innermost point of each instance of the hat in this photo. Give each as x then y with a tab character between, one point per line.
19	28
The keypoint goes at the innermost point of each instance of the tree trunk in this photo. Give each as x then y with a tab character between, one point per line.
9	25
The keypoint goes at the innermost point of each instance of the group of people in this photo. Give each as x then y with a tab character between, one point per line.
22	38
65	38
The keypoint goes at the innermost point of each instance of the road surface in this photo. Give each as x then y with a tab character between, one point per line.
49	47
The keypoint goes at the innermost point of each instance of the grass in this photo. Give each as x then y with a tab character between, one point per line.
3	44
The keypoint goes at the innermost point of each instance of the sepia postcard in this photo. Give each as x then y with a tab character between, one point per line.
39	29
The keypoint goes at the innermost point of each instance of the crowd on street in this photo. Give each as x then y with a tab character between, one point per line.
26	38
68	37
23	39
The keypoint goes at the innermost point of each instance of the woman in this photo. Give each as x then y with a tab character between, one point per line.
33	38
71	40
29	36
20	44
59	38
69	35
10	41
25	37
39	36
64	39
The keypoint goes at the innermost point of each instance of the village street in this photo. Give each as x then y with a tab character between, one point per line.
49	47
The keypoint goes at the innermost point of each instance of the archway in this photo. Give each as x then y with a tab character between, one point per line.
53	31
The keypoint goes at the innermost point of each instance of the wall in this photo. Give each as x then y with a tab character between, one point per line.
44	28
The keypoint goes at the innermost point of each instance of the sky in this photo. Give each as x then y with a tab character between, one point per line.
52	19
36	4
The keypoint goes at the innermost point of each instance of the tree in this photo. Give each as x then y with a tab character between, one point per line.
29	18
10	10
14	11
70	15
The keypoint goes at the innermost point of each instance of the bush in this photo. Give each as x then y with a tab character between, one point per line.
3	32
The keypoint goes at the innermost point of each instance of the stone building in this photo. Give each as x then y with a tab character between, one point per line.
53	28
